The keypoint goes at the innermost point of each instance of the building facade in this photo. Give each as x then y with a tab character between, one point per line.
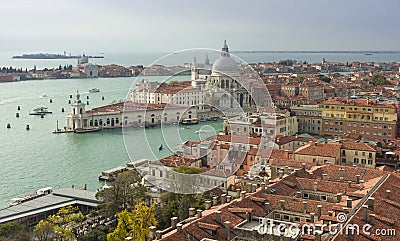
369	119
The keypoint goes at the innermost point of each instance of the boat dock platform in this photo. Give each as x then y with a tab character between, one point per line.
32	211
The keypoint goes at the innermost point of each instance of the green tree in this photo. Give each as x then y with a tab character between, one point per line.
14	231
134	224
98	233
379	79
44	231
177	205
124	193
143	217
173	82
298	79
187	169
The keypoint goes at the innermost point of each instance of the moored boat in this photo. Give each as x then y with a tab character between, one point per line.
86	130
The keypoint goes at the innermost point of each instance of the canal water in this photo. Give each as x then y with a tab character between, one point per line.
37	158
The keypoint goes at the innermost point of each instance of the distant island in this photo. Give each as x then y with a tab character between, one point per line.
53	56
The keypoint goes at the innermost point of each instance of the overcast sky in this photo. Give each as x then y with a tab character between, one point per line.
163	26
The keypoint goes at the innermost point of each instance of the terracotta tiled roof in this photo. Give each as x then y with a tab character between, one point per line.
357	146
320	149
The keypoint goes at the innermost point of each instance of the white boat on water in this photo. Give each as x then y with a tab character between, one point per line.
40	111
94	90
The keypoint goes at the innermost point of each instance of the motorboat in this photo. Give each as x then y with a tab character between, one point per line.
94	90
40	111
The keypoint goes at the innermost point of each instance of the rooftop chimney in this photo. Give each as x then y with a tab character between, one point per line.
152	232
325	177
339	197
179	228
361	184
341	174
365	213
215	201
357	179
227	230
159	234
218	216
267	207
282	204
315	186
303	166
199	213
304	207
207	204
370	203
388	194
372	219
223	198
191	212
298	194
238	193
312	217
228	198
174	222
243	194
319	211
349	203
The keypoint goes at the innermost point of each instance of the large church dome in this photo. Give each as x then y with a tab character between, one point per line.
225	64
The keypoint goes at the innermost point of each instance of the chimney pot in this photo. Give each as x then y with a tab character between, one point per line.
282	204
267	207
215	201
159	234
243	194
388	194
357	179
207	204
370	202
152	232
349	203
218	216
339	197
361	184
372	219
325	177
227	230
223	198
319	211
228	198
191	212
365	213
312	217
199	213
179	228
174	222
238	193
304	207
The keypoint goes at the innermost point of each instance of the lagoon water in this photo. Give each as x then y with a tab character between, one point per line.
37	158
